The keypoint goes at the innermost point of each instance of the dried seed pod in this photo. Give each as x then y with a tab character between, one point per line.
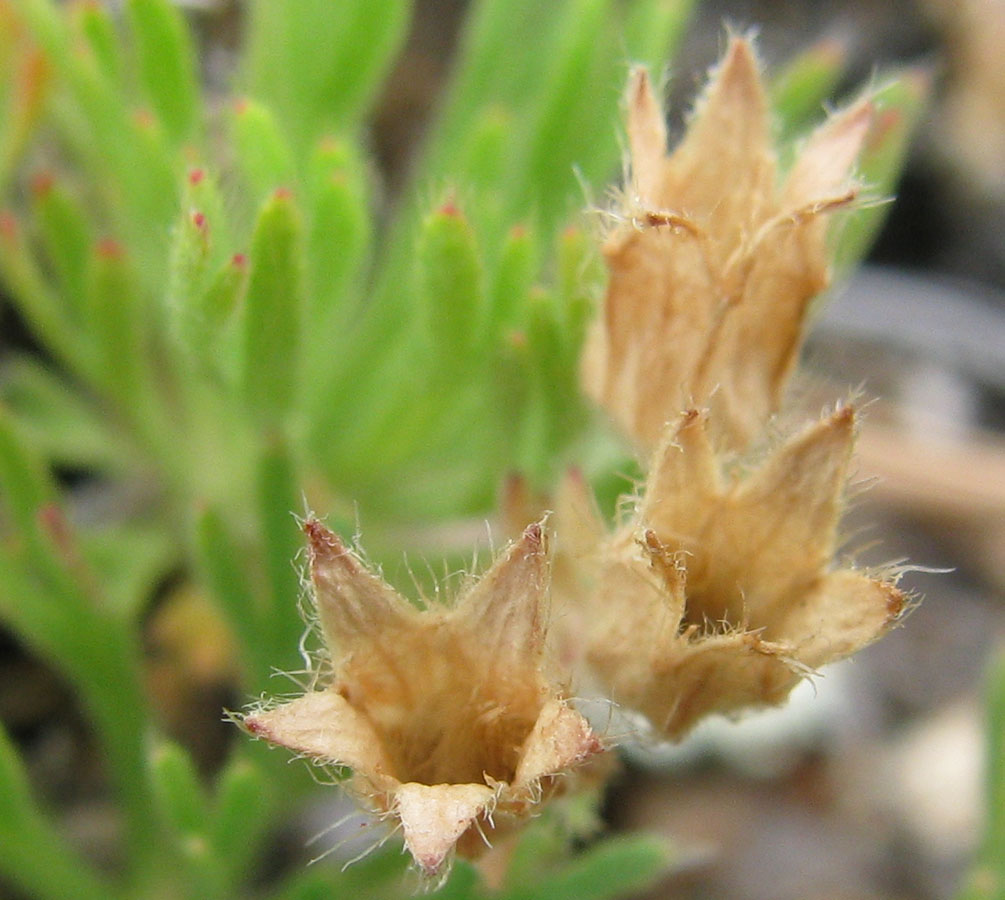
712	267
445	715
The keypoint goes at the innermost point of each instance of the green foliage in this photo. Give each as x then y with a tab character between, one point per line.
235	325
987	881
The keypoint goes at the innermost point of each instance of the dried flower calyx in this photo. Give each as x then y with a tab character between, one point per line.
445	715
719	594
713	267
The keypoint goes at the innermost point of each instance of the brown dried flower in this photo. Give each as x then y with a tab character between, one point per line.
713	267
718	594
445	715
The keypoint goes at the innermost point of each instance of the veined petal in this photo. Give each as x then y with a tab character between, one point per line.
647	139
722	173
753	354
713	674
684	483
842	614
354	605
823	169
786	513
434	816
662	300
506	607
324	726
561	739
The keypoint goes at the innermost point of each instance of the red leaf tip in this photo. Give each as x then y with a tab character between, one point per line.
41	183
109	248
450	208
8	225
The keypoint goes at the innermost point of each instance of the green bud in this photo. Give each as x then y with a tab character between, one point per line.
272	309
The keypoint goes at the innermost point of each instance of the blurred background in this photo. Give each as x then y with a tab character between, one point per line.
868	786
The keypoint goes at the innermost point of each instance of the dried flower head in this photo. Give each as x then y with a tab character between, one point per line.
713	266
719	593
445	715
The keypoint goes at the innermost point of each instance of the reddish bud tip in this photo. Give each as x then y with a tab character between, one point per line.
143	118
195	176
41	183
254	726
109	248
282	193
450	208
54	523
896	602
518	232
325	544
239	260
241	105
517	339
8	225
844	416
533	535
199	220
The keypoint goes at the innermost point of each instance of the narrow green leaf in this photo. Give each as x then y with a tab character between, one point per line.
278	498
504	46
25	482
41	306
180	795
994	849
272	309
225	568
199	297
33	855
544	173
513	279
483	156
215	342
115	319
371	35
59	423
452	288
653	30
800	89
190	270
26	96
241	816
99	655
987	880
93	22
263	152
545	340
166	65
340	238
29	498
130	560
66	239
184	807
580	275
612	868
289	49
319	64
899	106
